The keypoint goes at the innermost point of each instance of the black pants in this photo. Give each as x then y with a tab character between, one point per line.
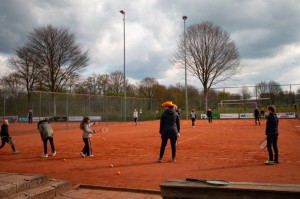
135	120
193	121
257	119
87	149
9	141
30	120
272	141
164	143
210	119
51	144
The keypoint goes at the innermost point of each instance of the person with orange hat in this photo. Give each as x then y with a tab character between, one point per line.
169	129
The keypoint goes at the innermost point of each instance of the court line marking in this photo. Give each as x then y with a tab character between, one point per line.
192	138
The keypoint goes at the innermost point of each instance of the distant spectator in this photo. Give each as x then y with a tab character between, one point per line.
30	115
193	117
209	115
256	115
135	116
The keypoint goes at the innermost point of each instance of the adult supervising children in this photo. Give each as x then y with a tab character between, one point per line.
169	129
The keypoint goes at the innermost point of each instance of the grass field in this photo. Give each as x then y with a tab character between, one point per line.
226	149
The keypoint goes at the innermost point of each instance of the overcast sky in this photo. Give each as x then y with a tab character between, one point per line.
267	33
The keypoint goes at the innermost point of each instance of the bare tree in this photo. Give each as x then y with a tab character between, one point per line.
11	83
147	86
25	66
245	93
116	82
211	55
58	54
103	83
268	90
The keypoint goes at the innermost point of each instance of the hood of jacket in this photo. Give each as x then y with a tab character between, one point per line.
170	111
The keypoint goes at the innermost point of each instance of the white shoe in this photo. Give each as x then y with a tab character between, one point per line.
90	156
54	153
82	155
44	156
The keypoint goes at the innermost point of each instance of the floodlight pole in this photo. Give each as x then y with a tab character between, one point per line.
185	72
123	13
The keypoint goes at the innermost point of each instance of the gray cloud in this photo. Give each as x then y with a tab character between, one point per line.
263	31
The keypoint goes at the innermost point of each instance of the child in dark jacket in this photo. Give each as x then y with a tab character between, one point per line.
209	115
272	135
256	115
6	138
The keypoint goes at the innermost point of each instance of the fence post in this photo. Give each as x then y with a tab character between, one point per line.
67	110
3	107
40	106
89	104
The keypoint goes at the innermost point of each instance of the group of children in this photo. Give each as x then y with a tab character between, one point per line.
46	133
169	129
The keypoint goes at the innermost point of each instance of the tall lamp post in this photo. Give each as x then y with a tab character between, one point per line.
123	13
185	72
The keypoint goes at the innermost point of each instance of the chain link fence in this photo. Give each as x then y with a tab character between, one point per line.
67	106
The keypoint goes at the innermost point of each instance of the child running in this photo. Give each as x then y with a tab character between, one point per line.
256	115
86	125
46	132
209	115
193	117
272	135
6	138
135	116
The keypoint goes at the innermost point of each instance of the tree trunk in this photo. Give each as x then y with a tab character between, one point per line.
205	93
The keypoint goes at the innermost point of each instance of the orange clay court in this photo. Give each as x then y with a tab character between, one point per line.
226	149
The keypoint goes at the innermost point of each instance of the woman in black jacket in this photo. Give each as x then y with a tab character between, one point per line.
169	129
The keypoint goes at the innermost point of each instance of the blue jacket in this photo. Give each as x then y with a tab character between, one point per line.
169	124
272	124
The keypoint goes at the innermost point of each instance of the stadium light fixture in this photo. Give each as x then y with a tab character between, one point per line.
124	75
185	72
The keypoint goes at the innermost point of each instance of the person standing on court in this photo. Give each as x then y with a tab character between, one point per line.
30	115
256	115
193	117
209	115
46	132
178	111
169	129
272	135
262	114
135	116
5	137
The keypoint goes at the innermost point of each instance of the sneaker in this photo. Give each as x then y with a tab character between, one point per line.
44	156
159	160
276	162
173	160
16	152
90	156
54	153
82	155
269	162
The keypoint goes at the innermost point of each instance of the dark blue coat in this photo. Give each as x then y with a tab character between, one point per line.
169	124
272	124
